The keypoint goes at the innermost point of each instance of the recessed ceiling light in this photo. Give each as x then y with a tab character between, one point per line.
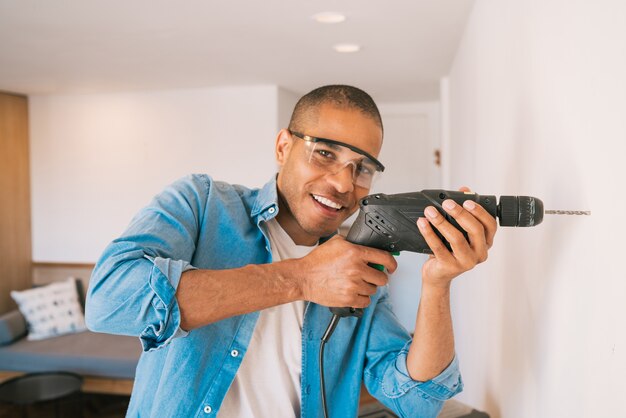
329	17
347	48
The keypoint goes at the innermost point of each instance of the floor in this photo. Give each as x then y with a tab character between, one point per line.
110	406
113	406
93	406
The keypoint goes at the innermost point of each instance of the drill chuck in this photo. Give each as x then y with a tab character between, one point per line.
520	211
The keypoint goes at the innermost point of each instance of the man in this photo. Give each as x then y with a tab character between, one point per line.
228	287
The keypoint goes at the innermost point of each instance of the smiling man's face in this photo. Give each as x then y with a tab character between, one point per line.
313	202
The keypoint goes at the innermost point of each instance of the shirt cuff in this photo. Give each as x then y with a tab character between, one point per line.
444	386
172	269
164	280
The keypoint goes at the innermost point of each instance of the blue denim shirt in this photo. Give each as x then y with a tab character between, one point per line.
206	224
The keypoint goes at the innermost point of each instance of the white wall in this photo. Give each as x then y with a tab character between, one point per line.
537	106
97	159
286	102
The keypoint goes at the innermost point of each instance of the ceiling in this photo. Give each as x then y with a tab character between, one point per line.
89	46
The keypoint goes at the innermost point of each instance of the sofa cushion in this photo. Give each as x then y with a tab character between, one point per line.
51	310
86	353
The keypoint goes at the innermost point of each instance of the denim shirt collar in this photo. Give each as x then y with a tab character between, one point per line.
265	206
266	202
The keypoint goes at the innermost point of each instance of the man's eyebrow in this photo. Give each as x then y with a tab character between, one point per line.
338	147
333	146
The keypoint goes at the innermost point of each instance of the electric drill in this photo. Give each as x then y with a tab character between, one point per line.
388	222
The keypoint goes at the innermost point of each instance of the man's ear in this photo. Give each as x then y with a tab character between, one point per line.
284	142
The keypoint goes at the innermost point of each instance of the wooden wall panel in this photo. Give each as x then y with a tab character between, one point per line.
45	273
15	229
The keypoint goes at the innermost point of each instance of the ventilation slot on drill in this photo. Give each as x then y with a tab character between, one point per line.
379	225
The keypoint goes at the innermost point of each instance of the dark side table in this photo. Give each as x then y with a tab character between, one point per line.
33	388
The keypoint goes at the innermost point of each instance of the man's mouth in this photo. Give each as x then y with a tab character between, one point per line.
327	202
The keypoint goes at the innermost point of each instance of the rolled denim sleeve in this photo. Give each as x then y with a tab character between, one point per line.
386	375
133	287
444	386
164	280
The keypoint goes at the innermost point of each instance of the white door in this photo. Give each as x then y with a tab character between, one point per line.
411	139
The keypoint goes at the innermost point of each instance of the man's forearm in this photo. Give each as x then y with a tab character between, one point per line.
207	296
336	273
432	349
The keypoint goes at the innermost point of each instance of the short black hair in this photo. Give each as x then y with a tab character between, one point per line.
339	95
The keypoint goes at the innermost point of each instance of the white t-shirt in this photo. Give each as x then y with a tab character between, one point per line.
267	383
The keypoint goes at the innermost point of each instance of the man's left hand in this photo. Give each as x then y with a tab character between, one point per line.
444	265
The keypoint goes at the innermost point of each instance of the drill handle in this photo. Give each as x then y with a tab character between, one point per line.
345	312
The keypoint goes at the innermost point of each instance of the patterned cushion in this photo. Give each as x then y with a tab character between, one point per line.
51	310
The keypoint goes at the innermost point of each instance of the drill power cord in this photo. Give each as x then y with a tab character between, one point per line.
329	331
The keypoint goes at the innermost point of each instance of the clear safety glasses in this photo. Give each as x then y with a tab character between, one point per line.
333	156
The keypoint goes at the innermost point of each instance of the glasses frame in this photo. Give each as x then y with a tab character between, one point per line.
379	166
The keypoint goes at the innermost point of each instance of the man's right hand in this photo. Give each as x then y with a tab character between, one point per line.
337	274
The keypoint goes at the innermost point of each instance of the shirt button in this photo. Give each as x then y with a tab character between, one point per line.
234	353
207	409
272	209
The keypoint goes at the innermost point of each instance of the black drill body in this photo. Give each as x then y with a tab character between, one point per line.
389	222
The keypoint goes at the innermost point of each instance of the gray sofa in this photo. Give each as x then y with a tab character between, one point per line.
94	355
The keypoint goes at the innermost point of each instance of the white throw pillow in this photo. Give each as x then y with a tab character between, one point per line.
51	310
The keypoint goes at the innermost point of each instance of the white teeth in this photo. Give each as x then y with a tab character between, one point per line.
327	202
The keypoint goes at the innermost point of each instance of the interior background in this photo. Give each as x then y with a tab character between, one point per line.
532	101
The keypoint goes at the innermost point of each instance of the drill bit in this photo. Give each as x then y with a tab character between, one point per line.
567	212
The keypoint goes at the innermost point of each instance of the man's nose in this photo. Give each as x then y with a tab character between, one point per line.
343	179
